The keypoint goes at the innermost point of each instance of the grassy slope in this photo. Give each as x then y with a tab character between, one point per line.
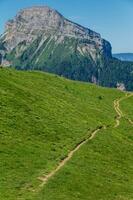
127	107
101	169
42	118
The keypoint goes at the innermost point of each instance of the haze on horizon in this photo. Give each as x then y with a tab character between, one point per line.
111	18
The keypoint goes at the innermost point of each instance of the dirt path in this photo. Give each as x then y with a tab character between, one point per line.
130	121
45	179
118	110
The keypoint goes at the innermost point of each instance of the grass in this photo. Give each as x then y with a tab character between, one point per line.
127	107
101	169
43	117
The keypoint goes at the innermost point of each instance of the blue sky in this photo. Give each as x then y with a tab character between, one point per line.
113	19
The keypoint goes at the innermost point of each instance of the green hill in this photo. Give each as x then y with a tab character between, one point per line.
43	118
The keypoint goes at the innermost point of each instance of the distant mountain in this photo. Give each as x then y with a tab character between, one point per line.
124	56
41	38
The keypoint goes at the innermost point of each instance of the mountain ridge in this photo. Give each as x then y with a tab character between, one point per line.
124	56
57	24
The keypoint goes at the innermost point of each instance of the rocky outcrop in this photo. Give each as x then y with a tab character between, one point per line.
33	22
121	86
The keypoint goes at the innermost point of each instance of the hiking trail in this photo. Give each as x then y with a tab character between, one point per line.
45	178
118	110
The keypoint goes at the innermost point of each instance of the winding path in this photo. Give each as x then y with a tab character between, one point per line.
45	179
118	110
130	121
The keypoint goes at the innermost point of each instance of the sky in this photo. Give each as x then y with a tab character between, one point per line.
113	19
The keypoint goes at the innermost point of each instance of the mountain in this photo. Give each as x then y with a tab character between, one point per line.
124	56
40	35
43	118
41	38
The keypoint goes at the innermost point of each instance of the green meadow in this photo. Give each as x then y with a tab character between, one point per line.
42	118
101	169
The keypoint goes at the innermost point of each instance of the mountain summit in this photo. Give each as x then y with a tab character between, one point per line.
45	22
41	38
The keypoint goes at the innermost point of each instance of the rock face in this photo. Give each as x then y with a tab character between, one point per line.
33	22
121	86
41	38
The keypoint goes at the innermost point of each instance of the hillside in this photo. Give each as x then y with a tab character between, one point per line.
43	119
124	56
40	38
